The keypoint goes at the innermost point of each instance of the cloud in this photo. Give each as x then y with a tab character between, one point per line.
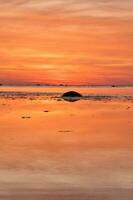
99	8
86	39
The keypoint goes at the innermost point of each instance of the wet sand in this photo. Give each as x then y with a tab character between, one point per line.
74	151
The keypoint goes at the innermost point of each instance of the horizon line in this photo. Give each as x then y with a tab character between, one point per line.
67	85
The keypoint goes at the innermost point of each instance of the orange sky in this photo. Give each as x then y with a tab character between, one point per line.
66	41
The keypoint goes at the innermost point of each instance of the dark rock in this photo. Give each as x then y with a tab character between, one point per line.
38	84
46	111
72	96
26	117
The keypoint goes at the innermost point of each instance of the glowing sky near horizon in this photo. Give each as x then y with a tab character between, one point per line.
66	41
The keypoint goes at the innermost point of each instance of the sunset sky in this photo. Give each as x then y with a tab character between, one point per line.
66	41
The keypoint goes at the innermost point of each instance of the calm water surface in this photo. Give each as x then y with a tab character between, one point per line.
53	149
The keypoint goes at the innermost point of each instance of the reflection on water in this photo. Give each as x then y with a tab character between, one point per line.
74	151
72	99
